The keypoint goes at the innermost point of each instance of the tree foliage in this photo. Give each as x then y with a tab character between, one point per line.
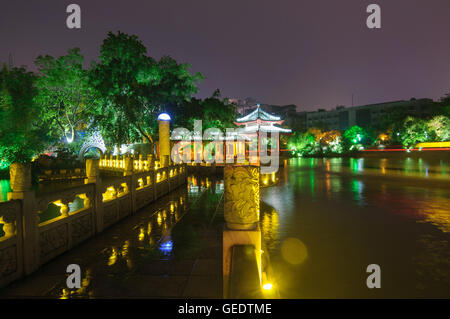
410	132
213	111
64	94
22	134
439	128
356	138
134	88
302	143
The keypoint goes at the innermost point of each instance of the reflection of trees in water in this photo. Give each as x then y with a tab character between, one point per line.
269	225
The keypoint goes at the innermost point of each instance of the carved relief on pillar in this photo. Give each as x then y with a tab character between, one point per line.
241	196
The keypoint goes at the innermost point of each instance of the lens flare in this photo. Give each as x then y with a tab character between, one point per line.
294	251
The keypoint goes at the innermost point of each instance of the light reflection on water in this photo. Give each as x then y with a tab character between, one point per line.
353	212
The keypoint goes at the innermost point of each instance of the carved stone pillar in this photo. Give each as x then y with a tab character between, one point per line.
241	197
165	161
20	175
93	176
128	163
92	169
151	162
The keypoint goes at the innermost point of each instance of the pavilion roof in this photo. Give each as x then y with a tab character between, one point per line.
265	128
258	113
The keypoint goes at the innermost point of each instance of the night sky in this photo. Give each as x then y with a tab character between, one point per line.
314	53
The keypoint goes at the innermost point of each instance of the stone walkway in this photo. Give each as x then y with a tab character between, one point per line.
170	249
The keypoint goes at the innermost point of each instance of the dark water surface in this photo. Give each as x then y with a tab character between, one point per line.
334	217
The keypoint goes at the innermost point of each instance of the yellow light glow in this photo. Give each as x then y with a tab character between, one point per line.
159	219
113	258
433	144
141	235
267	286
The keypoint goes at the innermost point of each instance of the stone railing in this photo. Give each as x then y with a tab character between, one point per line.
82	212
11	251
126	162
61	174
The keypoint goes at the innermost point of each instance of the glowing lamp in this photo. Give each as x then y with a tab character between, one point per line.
267	286
164	117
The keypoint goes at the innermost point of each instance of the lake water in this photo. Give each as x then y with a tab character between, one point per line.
331	218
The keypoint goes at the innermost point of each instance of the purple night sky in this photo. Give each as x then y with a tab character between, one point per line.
314	53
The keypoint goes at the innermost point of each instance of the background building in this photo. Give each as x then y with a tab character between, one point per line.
340	118
343	117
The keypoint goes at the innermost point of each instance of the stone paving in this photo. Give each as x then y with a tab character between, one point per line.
170	249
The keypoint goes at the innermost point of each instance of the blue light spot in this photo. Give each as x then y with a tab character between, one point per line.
166	247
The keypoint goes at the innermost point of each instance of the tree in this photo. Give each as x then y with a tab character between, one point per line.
118	78
330	136
412	131
302	143
439	128
134	88
331	141
213	111
64	94
356	137
22	135
316	132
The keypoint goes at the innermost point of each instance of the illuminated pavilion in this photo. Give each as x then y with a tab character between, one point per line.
237	143
259	121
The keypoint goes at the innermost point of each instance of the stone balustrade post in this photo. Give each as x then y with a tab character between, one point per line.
93	176
129	167
129	171
165	161
241	212
151	162
241	197
20	175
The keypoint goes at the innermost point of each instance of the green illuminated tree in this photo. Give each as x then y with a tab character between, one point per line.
412	131
64	94
22	134
134	88
302	143
439	128
356	137
213	111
